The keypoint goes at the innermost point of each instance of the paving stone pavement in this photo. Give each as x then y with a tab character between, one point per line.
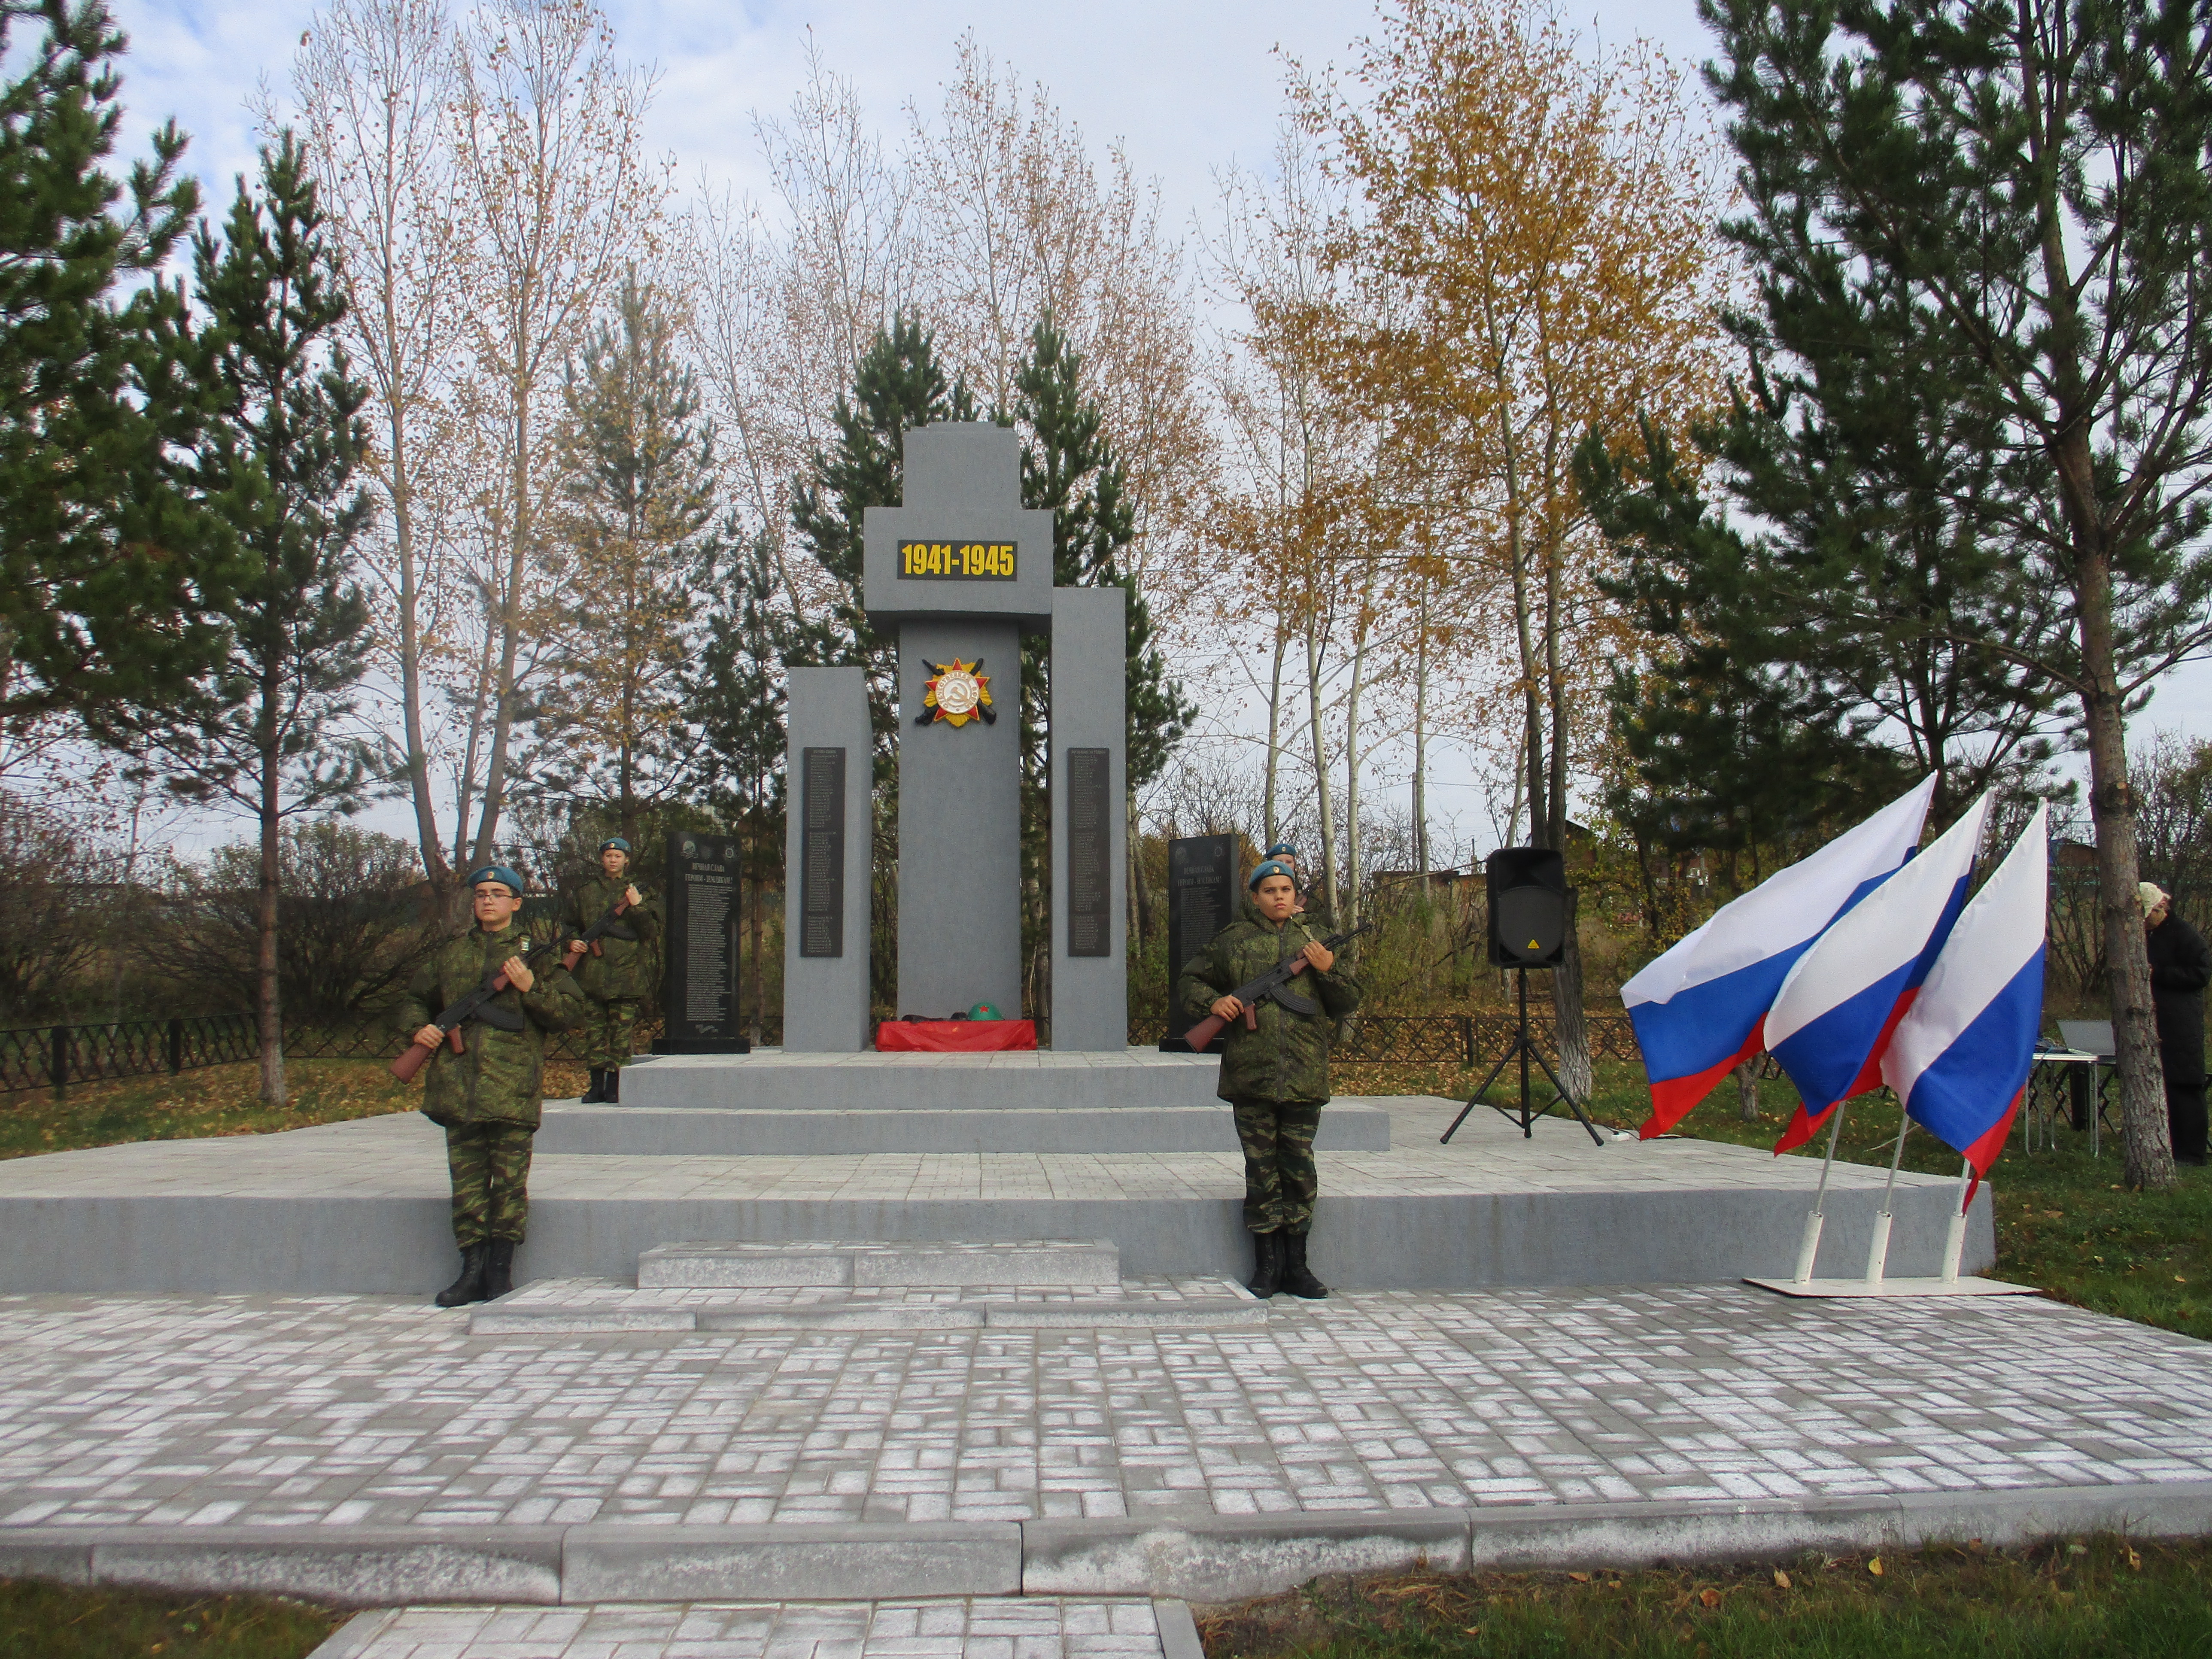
1004	1627
369	1411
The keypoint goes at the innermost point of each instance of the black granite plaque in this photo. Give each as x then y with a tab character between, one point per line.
1090	853
822	873
1202	901
699	990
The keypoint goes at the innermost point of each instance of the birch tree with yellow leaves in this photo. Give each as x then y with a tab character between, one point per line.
1540	214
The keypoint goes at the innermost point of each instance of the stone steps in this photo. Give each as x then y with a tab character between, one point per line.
717	1266
990	1627
573	1129
1035	1284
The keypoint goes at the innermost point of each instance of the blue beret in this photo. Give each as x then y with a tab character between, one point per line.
1283	847
1270	868
615	843
500	872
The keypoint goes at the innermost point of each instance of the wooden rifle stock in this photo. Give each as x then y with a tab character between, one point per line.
1209	1028
571	957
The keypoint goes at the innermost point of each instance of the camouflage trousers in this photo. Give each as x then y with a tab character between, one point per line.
490	1166
609	1033
1280	1177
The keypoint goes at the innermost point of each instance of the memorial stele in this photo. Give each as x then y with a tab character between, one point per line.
961	570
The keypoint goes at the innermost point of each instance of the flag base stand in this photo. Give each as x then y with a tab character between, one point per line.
1905	1287
1876	1280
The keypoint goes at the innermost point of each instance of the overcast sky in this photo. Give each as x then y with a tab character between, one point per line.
1188	85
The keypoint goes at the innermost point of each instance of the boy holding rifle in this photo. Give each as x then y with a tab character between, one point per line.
618	974
1274	1067
485	1087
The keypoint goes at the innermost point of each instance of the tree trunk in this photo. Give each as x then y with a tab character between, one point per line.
2145	1136
1747	1089
1353	863
1575	1068
436	870
510	622
1567	1022
1321	767
1421	745
268	1008
1274	735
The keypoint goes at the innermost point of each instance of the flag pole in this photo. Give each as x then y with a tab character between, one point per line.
1878	1246
1808	1247
1954	1236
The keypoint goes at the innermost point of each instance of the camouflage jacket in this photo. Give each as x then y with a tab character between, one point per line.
500	1080
1287	1057
627	968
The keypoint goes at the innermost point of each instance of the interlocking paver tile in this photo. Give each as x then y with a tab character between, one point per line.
1009	1628
199	1410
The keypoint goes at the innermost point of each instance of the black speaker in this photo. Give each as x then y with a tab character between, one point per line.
1528	892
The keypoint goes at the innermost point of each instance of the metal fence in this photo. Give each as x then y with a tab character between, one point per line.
54	1056
1460	1039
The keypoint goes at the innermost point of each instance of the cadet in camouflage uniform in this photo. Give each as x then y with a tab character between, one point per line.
619	969
1276	1076
488	1099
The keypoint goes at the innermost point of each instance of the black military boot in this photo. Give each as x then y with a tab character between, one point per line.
1298	1277
611	1089
470	1286
1267	1257
499	1269
597	1094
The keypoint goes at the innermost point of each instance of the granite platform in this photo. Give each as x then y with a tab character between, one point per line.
775	1080
362	1206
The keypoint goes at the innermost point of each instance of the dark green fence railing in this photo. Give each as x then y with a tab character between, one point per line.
54	1056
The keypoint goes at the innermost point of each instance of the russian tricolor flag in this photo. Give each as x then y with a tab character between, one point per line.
1960	1056
1833	1016
1698	1008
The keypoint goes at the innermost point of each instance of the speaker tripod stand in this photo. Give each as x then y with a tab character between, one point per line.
1524	1051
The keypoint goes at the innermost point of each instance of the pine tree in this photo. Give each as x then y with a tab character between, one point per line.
2019	191
898	385
735	692
1069	467
262	733
634	528
111	588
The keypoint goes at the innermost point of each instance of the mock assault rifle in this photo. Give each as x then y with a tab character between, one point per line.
478	1000
1272	983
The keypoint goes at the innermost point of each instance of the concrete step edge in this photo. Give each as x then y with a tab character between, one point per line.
1174	1555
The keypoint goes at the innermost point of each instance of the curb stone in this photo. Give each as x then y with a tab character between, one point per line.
352	1638
1178	1631
1172	1556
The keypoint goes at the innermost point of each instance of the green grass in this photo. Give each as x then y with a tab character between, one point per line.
2101	1597
2064	1223
57	1621
220	1100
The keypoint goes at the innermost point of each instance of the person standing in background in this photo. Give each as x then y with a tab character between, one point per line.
2180	968
619	969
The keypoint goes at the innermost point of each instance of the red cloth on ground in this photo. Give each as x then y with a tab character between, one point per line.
954	1036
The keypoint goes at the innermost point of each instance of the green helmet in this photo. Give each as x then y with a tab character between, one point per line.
984	1010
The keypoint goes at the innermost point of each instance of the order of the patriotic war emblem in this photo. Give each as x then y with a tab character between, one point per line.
957	694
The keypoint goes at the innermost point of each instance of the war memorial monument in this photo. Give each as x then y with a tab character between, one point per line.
946	1350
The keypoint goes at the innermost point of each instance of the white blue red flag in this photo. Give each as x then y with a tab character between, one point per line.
1833	1018
1960	1058
1698	1007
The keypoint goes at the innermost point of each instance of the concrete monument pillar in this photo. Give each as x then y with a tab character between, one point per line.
1089	819
829	770
963	570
